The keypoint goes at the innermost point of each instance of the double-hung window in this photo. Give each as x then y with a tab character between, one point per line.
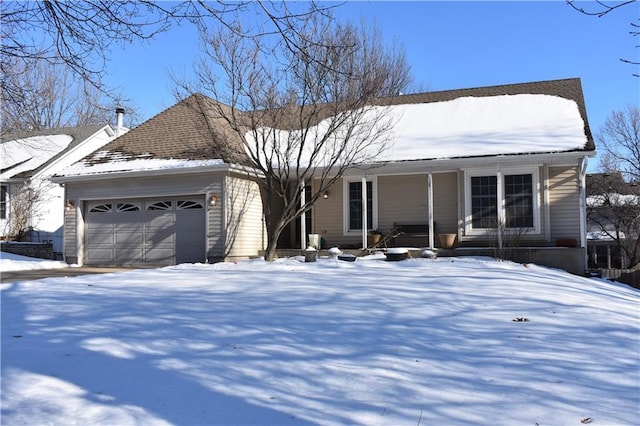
515	202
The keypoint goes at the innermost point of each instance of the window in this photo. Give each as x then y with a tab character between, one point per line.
101	208
127	207
3	201
189	205
517	199
160	205
484	202
353	205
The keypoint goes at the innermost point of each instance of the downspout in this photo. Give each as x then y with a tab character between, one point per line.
364	210
583	209
430	206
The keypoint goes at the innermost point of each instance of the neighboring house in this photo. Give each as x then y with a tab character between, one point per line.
613	222
176	189
29	160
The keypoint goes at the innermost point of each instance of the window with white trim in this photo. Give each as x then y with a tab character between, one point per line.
353	205
3	201
518	199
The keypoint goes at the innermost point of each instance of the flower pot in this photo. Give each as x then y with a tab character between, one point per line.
310	254
373	239
447	241
397	254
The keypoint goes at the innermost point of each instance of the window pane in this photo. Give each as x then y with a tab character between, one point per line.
101	208
3	202
160	205
355	205
518	194
484	202
189	205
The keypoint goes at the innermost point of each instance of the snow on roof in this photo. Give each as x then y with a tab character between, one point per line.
480	126
613	199
23	155
477	126
125	164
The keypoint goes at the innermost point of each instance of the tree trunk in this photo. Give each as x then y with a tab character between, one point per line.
272	243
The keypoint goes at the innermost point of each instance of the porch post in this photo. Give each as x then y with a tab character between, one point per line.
364	210
430	205
303	218
500	205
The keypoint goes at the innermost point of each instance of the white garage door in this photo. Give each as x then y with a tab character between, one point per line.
155	231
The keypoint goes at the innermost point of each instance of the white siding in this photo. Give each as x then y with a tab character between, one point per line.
402	199
328	218
70	242
564	203
445	202
244	230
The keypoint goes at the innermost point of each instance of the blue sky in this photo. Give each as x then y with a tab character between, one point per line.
449	45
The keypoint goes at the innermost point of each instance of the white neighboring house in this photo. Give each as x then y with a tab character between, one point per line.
29	160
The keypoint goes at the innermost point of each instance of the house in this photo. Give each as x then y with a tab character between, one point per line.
32	206
462	163
613	223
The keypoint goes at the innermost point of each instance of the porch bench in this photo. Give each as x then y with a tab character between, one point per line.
410	230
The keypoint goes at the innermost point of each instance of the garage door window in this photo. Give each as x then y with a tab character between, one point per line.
160	205
127	207
189	205
101	208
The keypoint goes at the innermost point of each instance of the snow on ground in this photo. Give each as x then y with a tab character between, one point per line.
14	262
420	342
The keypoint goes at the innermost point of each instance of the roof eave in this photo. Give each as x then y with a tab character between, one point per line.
90	177
459	163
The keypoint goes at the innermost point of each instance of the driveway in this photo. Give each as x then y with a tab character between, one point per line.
37	274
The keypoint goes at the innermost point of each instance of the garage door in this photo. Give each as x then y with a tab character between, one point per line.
155	231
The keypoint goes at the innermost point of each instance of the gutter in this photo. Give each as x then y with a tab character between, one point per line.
128	174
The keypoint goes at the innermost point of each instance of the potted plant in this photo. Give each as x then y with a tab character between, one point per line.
374	237
447	241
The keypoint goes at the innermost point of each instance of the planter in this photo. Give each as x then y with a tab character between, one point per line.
373	239
397	254
310	255
447	241
347	257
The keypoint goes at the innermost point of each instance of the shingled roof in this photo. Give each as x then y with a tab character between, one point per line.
189	130
186	131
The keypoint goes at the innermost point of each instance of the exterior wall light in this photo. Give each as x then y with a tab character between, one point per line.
214	199
325	195
69	206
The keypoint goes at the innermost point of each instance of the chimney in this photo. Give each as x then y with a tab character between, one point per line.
119	118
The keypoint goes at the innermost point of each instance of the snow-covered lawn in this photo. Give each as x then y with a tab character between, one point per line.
14	262
419	342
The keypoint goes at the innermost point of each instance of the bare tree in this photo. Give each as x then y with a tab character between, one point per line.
304	113
600	8
619	138
613	209
37	95
80	34
25	207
